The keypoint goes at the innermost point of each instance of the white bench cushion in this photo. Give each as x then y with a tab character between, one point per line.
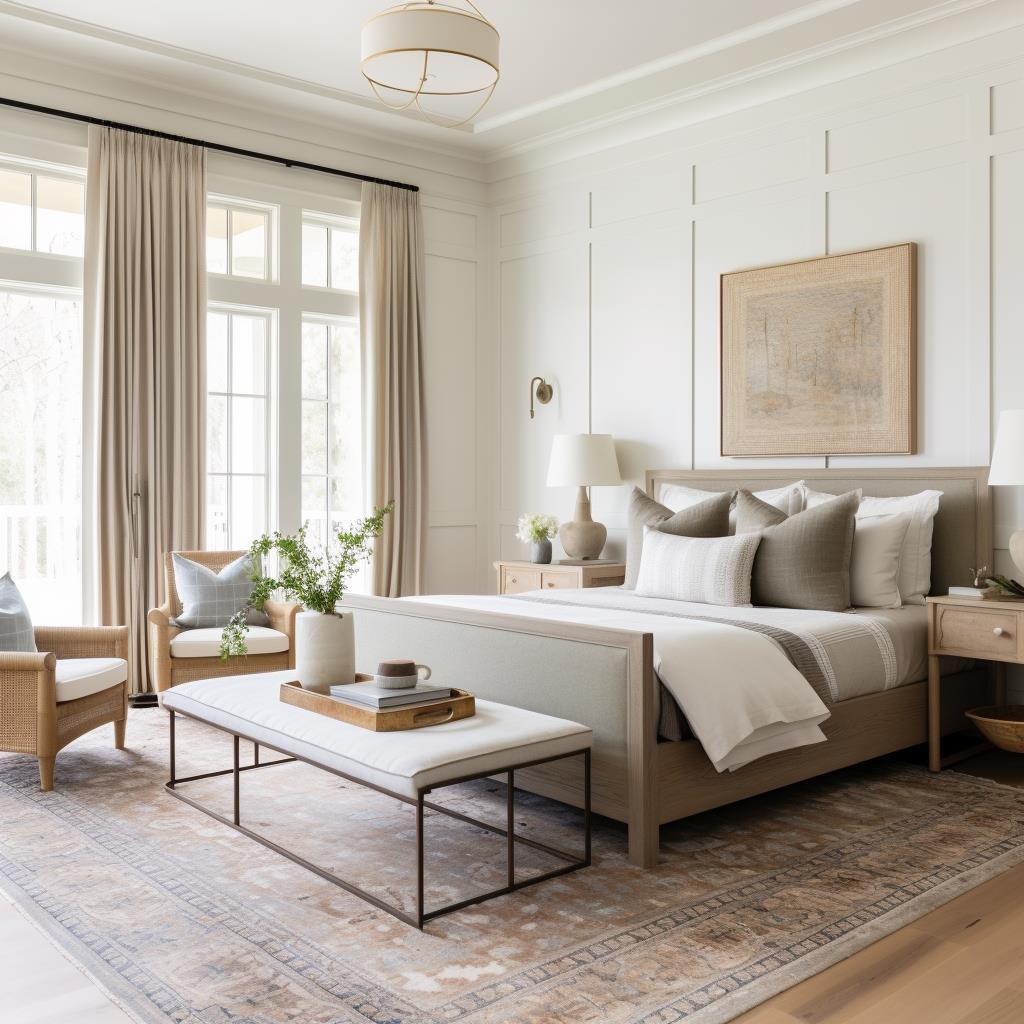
79	677
205	643
496	737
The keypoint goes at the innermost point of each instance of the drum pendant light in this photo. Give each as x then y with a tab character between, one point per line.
430	48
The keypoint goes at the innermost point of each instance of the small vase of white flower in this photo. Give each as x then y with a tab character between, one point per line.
538	529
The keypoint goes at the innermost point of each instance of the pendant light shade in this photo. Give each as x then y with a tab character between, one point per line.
428	48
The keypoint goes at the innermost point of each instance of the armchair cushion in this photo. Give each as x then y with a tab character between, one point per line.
210	598
205	643
15	622
79	677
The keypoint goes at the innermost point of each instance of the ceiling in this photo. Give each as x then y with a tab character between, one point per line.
549	47
563	62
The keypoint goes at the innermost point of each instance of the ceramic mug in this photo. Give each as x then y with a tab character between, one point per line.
400	674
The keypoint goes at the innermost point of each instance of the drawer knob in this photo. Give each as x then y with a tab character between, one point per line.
513	579
999	631
551	583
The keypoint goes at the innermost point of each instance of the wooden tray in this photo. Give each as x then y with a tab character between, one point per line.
411	716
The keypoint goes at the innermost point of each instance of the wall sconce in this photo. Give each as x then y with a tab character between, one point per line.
543	393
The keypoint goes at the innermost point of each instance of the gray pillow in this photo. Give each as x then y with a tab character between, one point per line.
210	598
15	622
803	560
709	518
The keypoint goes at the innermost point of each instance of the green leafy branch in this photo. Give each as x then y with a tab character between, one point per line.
312	575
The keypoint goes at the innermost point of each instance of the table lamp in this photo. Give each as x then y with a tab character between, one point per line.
1007	468
583	460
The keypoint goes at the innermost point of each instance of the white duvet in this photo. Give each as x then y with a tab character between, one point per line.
741	695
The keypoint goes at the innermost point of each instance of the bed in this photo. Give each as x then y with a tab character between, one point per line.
565	656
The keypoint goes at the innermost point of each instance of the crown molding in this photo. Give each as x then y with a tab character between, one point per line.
273	128
912	36
758	30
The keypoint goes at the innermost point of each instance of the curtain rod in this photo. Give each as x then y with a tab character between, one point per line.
215	146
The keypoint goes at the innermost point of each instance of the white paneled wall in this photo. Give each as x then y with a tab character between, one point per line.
608	265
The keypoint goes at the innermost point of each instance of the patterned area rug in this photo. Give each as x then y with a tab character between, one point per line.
181	919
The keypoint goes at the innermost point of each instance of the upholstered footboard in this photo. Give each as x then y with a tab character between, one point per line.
603	678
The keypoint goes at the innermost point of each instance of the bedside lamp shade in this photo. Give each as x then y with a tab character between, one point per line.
583	460
1008	454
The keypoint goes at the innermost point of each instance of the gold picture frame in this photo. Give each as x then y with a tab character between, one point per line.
819	357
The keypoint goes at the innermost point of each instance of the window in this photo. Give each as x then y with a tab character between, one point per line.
239	238
41	461
42	236
42	210
330	252
237	426
284	431
332	467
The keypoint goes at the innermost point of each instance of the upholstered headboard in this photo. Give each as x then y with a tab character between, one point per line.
963	526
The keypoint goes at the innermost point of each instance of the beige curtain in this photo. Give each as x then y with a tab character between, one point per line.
391	321
145	322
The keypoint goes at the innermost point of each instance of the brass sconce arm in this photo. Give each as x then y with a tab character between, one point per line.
543	393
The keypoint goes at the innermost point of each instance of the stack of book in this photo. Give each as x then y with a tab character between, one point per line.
370	695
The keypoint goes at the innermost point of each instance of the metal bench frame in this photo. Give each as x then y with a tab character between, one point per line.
422	915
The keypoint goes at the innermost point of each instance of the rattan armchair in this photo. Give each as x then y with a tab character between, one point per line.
31	719
167	671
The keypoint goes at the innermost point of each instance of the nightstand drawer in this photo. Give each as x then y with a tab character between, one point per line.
516	581
983	633
561	580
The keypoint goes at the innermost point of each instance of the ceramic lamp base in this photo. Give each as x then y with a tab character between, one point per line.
583	538
1017	550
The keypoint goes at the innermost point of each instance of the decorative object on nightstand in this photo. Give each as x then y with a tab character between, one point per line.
537	529
1007	467
582	460
982	586
989	630
519	577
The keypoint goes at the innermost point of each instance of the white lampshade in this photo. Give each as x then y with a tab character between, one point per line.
1008	455
583	460
430	49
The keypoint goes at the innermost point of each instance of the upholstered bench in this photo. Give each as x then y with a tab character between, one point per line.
407	765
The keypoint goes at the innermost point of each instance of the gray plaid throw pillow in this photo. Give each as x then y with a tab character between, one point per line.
15	622
210	598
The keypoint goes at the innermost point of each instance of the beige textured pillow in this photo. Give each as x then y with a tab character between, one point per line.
803	560
709	570
708	518
875	563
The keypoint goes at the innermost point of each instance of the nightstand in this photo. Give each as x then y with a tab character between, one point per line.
983	629
517	577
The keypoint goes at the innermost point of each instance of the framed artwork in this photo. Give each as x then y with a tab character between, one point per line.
818	357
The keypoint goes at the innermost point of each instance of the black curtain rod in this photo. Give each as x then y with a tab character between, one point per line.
215	146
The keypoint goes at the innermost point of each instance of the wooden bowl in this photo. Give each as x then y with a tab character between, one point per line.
1001	726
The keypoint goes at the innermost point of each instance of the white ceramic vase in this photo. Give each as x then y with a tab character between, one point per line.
324	650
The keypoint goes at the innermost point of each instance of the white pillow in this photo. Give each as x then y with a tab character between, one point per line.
875	563
788	499
709	570
916	553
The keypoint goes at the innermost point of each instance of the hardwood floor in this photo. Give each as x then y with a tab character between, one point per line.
960	964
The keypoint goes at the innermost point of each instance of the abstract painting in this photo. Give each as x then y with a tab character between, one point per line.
818	357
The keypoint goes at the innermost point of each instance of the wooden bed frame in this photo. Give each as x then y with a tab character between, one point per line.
605	678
